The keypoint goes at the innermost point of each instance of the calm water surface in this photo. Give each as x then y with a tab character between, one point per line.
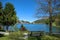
38	27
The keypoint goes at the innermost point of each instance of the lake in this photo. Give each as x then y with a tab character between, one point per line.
38	27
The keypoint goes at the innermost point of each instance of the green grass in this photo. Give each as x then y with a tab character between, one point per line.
46	37
16	35
50	38
4	38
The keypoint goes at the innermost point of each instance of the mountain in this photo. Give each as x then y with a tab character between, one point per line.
23	22
39	21
43	20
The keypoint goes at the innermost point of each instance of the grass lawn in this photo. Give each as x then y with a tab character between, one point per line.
4	38
16	35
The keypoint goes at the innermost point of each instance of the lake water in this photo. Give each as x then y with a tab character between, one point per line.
38	27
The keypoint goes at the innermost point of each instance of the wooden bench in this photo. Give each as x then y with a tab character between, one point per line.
36	33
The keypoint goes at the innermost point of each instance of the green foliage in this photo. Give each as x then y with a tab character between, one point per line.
7	15
14	36
46	21
32	38
4	38
1	13
57	20
39	21
46	37
17	35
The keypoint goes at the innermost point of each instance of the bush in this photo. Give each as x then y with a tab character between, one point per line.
49	38
32	38
14	36
1	35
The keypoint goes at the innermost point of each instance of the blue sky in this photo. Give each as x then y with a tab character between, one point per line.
25	9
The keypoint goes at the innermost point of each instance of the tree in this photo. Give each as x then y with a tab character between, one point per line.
49	7
1	13
9	15
50	15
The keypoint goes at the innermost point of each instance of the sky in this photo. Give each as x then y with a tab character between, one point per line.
25	9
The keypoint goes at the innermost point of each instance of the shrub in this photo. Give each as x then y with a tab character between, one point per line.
14	35
49	38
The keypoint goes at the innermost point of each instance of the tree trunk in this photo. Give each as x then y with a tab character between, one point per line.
50	17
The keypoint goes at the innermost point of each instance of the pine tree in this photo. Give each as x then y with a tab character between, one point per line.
10	17
1	17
